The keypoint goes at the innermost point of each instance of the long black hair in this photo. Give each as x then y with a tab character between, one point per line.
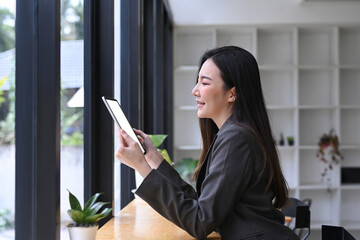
239	69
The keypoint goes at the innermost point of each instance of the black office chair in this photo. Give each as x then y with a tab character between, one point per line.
335	233
299	211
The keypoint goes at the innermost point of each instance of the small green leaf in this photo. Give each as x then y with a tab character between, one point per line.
165	155
158	139
74	202
91	201
95	208
76	215
97	217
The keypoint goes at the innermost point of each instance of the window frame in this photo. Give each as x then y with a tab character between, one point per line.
37	201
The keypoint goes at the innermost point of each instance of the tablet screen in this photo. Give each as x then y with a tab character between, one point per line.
120	119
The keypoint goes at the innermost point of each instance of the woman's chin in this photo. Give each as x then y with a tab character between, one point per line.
200	115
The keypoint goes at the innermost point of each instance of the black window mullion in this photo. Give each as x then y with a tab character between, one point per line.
168	80
158	70
98	82
149	67
131	82
159	89
37	130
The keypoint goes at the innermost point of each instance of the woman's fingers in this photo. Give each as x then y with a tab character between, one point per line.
140	133
129	153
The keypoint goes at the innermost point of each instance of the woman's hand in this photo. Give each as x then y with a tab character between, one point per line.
130	154
153	157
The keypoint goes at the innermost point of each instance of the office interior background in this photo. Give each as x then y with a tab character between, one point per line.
145	53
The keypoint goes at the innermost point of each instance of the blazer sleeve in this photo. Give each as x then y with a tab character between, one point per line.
226	181
173	176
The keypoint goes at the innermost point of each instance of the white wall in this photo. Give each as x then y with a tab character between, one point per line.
247	12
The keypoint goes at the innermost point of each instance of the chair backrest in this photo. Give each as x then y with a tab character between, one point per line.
300	211
335	233
302	217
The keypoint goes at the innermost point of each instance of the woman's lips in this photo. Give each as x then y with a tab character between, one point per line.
200	104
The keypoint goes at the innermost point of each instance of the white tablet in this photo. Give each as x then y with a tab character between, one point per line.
120	119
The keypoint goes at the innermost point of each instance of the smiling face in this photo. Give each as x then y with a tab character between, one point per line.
213	101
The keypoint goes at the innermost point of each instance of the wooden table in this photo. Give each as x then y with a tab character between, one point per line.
139	221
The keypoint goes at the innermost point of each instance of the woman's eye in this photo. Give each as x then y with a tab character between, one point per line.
204	83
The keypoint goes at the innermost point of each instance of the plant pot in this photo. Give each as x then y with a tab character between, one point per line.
290	142
82	232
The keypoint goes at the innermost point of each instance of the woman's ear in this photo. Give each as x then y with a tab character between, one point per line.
232	96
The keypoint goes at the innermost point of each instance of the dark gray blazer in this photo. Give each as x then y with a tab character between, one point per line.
230	195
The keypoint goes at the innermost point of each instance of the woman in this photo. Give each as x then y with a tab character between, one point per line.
240	186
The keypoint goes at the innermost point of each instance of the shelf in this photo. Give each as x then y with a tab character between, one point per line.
355	107
317	46
308	147
278	67
313	123
278	87
288	166
189	147
349	146
350	187
324	206
184	82
349	87
282	121
317	87
184	120
276	46
318	187
244	37
349	67
186	108
279	107
349	209
315	107
286	148
351	157
317	67
186	69
349	45
310	77
311	169
187	151
190	44
350	128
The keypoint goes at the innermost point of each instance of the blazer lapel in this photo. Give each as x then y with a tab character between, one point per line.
202	171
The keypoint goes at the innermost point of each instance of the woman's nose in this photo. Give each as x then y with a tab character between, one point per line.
195	91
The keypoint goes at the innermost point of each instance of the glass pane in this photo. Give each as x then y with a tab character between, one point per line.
72	101
7	119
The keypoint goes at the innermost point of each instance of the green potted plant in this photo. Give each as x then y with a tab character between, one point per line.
328	152
85	219
281	141
290	140
186	168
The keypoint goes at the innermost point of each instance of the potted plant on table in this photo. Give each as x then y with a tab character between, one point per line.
85	219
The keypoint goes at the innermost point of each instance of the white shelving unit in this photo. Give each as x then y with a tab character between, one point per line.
311	83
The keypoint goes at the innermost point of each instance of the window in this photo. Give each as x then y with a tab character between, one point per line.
71	107
7	119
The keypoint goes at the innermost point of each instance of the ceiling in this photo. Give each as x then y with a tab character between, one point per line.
225	12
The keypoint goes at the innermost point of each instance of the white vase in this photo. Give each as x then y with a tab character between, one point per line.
83	233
